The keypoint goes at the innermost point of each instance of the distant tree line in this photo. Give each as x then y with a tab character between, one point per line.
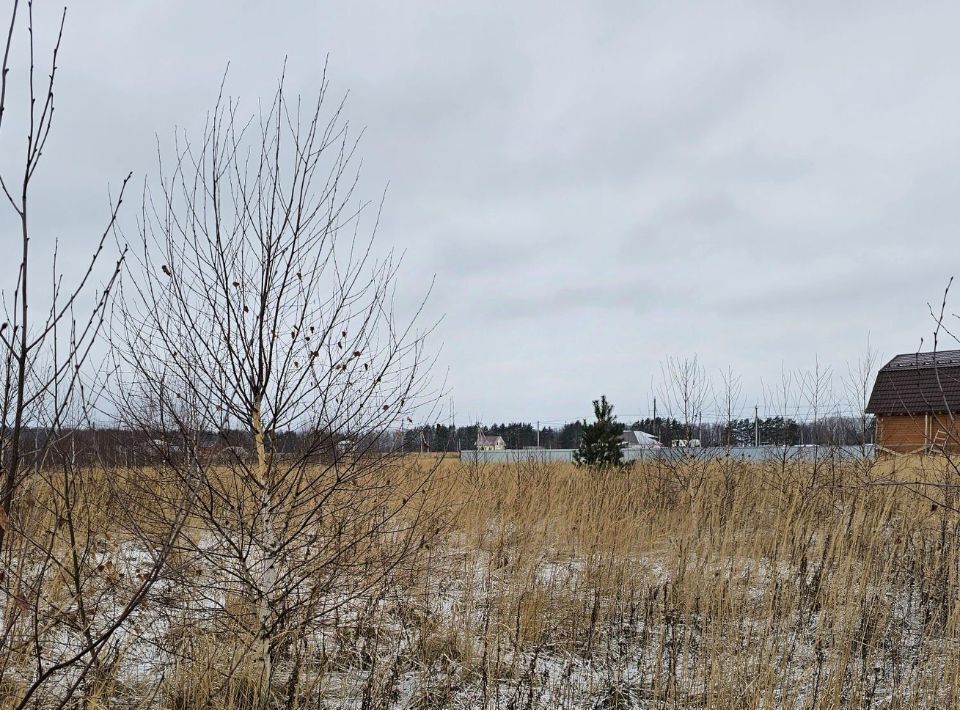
779	431
771	431
516	435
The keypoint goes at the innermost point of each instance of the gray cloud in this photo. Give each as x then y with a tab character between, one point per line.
595	186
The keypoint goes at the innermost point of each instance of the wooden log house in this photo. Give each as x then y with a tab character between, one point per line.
916	402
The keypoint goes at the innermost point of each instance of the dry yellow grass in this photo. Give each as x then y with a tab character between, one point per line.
703	584
692	584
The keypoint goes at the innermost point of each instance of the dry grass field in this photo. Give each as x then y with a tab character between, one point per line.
685	584
720	585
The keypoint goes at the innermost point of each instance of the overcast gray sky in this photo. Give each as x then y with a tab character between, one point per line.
595	186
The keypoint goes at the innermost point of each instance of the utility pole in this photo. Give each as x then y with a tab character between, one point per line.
656	424
756	425
452	431
538	433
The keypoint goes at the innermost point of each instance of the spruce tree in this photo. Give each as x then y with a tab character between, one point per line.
601	445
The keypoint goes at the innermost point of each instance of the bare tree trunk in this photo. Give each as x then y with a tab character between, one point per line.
265	567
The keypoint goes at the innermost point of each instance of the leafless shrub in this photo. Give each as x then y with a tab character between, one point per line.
685	390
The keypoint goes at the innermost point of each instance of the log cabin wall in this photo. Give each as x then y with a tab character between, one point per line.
903	433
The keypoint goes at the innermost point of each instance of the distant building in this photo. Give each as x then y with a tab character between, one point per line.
635	439
916	400
490	443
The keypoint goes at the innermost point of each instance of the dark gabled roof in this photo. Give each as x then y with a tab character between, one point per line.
918	383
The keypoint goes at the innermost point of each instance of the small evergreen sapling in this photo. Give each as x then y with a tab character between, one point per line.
601	445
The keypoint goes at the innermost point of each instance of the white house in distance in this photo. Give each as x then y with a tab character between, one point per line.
636	439
490	443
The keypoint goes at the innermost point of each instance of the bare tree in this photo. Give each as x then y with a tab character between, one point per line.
857	385
816	387
685	390
730	400
263	359
60	606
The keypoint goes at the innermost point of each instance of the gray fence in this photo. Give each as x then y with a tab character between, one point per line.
753	453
